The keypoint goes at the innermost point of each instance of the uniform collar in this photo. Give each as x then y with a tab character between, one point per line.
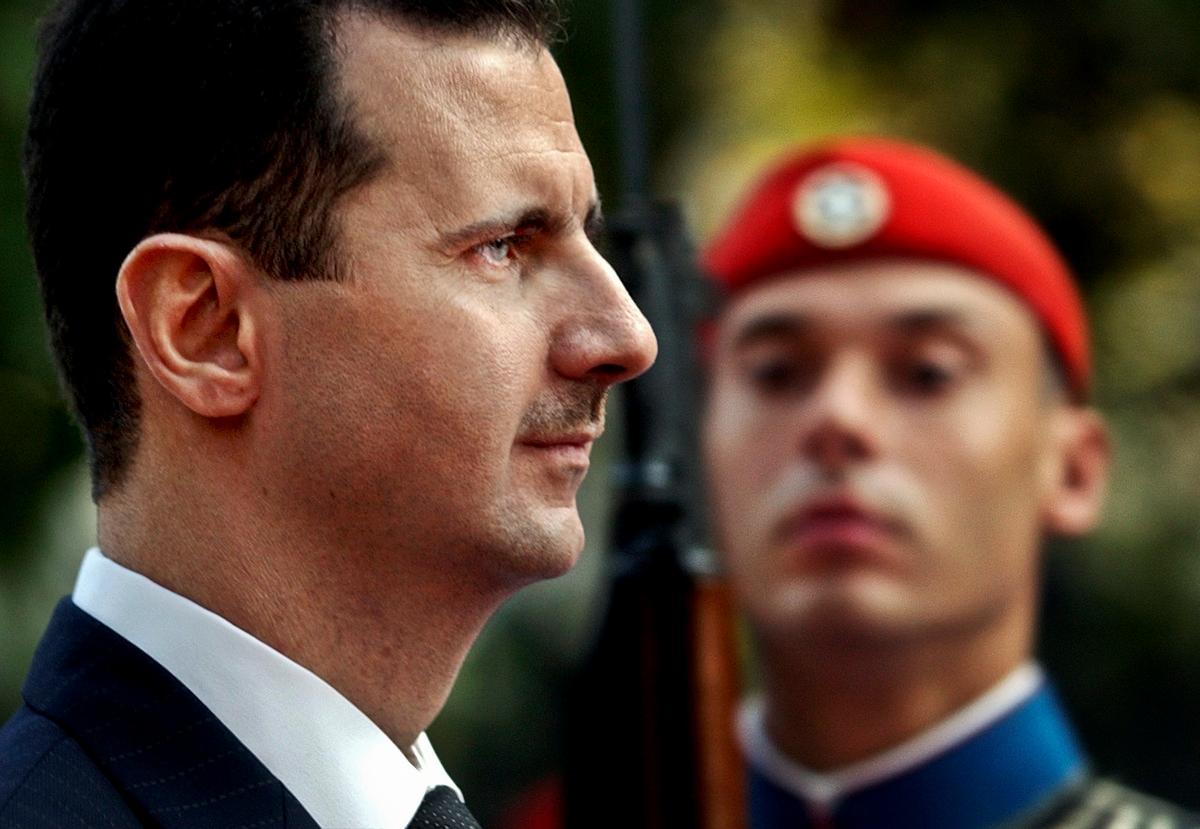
1000	756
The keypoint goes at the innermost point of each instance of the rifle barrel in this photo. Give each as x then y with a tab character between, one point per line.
631	102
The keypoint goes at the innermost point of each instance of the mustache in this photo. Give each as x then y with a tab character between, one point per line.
891	493
575	408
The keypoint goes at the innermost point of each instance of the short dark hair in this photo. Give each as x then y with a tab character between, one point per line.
151	116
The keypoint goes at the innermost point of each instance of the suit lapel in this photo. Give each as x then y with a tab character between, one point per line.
173	760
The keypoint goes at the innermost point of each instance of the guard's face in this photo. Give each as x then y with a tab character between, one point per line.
878	450
446	396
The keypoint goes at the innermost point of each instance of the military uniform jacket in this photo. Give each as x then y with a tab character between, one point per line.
1023	770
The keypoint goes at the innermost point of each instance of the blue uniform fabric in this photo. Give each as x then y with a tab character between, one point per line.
1014	767
108	738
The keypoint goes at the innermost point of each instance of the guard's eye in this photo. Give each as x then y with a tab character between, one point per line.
928	377
933	372
773	372
776	377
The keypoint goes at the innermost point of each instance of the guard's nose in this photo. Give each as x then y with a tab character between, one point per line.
840	426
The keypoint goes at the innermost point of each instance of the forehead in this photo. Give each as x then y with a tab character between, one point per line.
869	297
437	78
452	109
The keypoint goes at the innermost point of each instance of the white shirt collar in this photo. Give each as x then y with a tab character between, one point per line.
341	767
825	790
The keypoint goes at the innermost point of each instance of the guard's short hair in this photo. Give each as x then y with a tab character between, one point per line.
152	116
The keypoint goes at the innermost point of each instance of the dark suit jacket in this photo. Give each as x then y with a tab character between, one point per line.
107	738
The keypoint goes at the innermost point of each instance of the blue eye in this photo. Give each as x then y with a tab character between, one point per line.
497	251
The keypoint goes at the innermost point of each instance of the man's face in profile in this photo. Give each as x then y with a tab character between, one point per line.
878	451
444	398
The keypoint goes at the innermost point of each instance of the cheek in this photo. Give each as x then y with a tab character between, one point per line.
744	439
743	458
401	391
979	476
465	382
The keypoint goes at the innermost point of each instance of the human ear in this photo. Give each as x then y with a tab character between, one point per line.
189	305
1079	474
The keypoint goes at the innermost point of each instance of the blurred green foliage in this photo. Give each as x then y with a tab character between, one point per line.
1088	113
39	445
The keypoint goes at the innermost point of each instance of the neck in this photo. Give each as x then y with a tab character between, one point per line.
831	705
382	626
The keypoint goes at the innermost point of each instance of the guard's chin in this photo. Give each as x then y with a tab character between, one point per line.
851	607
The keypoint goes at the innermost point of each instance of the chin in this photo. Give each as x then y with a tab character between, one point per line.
857	608
543	548
563	546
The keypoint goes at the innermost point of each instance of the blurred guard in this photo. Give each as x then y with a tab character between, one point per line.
897	419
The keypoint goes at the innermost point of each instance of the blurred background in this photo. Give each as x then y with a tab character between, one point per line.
1088	113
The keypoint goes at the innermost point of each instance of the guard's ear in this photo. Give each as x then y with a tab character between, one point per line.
189	305
1078	474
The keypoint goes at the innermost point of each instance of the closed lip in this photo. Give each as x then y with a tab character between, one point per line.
839	519
582	439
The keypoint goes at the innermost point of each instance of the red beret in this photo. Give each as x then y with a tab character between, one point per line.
867	198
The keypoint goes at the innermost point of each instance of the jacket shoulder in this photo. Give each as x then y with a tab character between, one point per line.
47	781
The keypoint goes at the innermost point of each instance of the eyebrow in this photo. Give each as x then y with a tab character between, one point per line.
919	321
930	319
771	326
530	218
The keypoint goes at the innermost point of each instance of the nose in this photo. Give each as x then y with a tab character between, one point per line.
841	426
604	338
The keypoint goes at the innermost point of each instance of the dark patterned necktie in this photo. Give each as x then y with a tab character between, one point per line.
441	809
